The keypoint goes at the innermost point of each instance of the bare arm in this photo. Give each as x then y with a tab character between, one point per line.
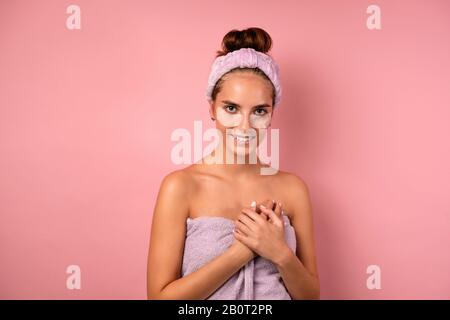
166	248
299	271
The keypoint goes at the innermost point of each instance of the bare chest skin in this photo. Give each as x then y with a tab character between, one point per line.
213	195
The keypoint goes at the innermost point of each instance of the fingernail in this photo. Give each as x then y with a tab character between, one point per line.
253	204
262	206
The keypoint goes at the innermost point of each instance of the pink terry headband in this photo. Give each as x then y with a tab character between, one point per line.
245	58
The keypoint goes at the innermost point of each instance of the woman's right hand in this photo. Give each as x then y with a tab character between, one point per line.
246	251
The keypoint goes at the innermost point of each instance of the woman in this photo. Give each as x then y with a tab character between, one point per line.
221	229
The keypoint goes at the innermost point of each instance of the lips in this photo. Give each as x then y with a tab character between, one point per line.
241	139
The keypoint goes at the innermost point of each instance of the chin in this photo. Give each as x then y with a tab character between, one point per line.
243	150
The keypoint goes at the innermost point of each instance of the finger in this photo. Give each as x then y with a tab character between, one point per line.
249	208
278	209
242	238
254	207
272	215
246	240
266	203
264	216
273	204
256	217
241	227
245	219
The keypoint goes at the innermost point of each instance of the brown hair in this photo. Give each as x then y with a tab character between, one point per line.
255	38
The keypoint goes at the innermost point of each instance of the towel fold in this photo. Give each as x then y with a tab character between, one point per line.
208	237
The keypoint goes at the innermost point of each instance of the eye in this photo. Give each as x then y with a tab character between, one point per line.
260	111
230	108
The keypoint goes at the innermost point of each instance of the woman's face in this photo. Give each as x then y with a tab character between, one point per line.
242	108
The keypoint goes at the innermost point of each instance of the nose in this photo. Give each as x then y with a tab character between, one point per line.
245	122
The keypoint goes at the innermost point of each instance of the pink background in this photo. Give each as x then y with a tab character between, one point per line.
86	117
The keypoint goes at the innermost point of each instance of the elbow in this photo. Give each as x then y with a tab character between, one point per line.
155	290
315	294
160	291
312	294
156	296
159	294
153	295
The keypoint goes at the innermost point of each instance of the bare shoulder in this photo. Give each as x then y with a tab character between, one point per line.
176	182
295	193
174	193
292	182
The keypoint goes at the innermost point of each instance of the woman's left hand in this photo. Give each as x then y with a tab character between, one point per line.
265	237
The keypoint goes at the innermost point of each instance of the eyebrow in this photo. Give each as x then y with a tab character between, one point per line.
264	105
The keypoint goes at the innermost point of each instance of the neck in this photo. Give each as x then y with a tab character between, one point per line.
227	161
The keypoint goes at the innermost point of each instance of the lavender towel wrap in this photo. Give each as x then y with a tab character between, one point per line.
208	237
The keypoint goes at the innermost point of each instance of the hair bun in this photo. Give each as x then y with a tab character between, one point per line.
255	38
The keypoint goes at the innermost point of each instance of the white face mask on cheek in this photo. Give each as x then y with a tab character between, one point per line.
260	122
228	119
